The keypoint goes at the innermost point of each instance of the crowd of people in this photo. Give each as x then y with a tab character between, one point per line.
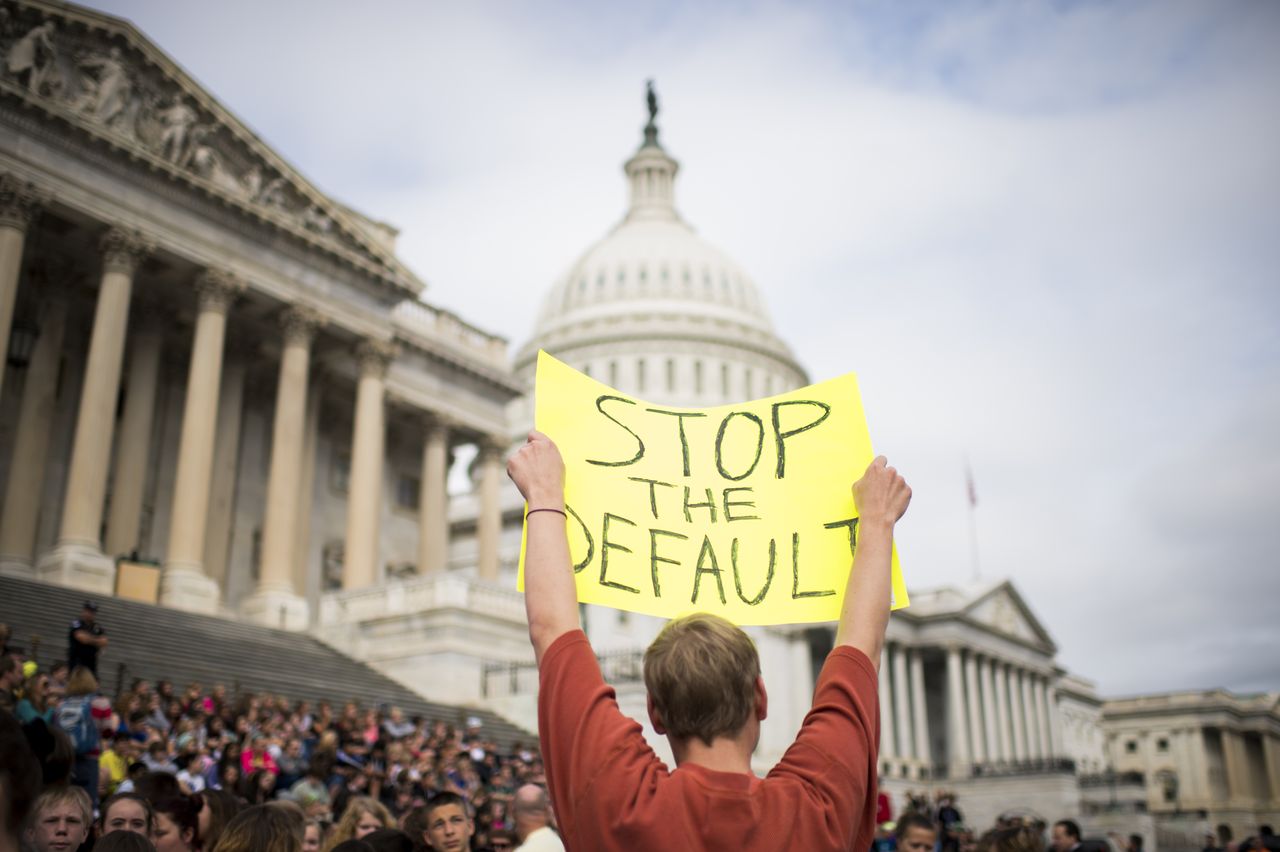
191	768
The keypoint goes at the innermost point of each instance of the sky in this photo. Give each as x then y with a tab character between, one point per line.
1046	235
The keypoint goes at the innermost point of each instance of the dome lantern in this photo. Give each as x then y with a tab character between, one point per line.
652	173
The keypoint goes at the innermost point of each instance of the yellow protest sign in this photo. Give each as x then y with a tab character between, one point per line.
742	510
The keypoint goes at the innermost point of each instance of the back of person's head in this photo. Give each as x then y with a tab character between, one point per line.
81	682
352	846
182	811
701	674
124	841
357	807
1020	838
531	806
1225	834
155	786
502	840
263	828
1070	828
1265	830
7	665
20	778
1135	841
222	806
389	840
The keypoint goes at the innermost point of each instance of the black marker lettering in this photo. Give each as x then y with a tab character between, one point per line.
714	569
729	504
591	542
653	492
782	436
654	558
710	505
768	579
605	545
724	425
684	442
852	525
600	401
796	594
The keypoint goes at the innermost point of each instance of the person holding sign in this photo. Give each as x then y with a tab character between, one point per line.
702	673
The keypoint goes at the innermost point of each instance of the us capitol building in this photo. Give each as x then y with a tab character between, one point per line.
225	393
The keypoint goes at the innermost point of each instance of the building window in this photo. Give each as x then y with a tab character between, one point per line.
1162	744
408	489
1131	747
340	473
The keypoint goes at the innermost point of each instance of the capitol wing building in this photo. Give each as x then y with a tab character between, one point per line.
224	393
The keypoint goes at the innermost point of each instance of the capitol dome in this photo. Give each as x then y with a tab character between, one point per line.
657	312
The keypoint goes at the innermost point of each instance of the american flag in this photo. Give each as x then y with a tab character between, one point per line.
973	492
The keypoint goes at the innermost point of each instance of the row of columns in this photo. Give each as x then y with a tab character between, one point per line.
78	559
998	712
904	719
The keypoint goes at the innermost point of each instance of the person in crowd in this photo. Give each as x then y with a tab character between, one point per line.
363	815
312	835
389	840
1018	838
157	757
949	817
59	673
258	757
218	807
1210	842
177	819
503	840
113	762
126	812
60	820
263	828
82	715
10	680
35	703
353	846
85	639
449	824
532	810
1065	836
915	832
706	695
124	841
20	781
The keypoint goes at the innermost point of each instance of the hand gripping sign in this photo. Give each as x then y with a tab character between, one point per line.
742	510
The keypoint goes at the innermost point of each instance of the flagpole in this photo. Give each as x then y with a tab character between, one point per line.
973	520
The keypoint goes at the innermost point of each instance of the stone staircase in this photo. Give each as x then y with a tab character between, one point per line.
155	643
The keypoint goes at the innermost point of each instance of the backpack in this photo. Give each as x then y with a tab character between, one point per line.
73	717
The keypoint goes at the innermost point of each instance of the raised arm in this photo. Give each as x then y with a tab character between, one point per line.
881	496
550	597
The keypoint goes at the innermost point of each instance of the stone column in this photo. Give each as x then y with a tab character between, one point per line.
364	500
19	204
1014	680
957	727
222	481
888	745
1031	718
306	574
184	584
902	702
995	753
919	713
1271	756
1234	768
974	697
1042	718
1000	674
489	524
275	602
133	449
20	514
1055	722
433	502
1198	781
77	559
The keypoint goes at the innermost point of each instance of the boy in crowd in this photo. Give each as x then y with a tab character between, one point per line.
611	792
916	833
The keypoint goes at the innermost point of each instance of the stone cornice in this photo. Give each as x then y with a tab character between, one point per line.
111	83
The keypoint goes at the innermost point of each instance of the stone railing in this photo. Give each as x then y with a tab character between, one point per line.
422	594
443	327
521	678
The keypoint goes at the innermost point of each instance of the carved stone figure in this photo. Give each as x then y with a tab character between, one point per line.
273	194
251	183
107	85
203	159
32	60
315	219
651	97
176	119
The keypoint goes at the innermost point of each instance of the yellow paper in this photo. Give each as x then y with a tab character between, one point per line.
673	511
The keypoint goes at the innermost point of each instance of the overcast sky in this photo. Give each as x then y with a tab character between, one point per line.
1045	235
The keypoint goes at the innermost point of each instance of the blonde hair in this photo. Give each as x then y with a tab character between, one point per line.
81	682
701	673
59	795
357	807
1021	838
